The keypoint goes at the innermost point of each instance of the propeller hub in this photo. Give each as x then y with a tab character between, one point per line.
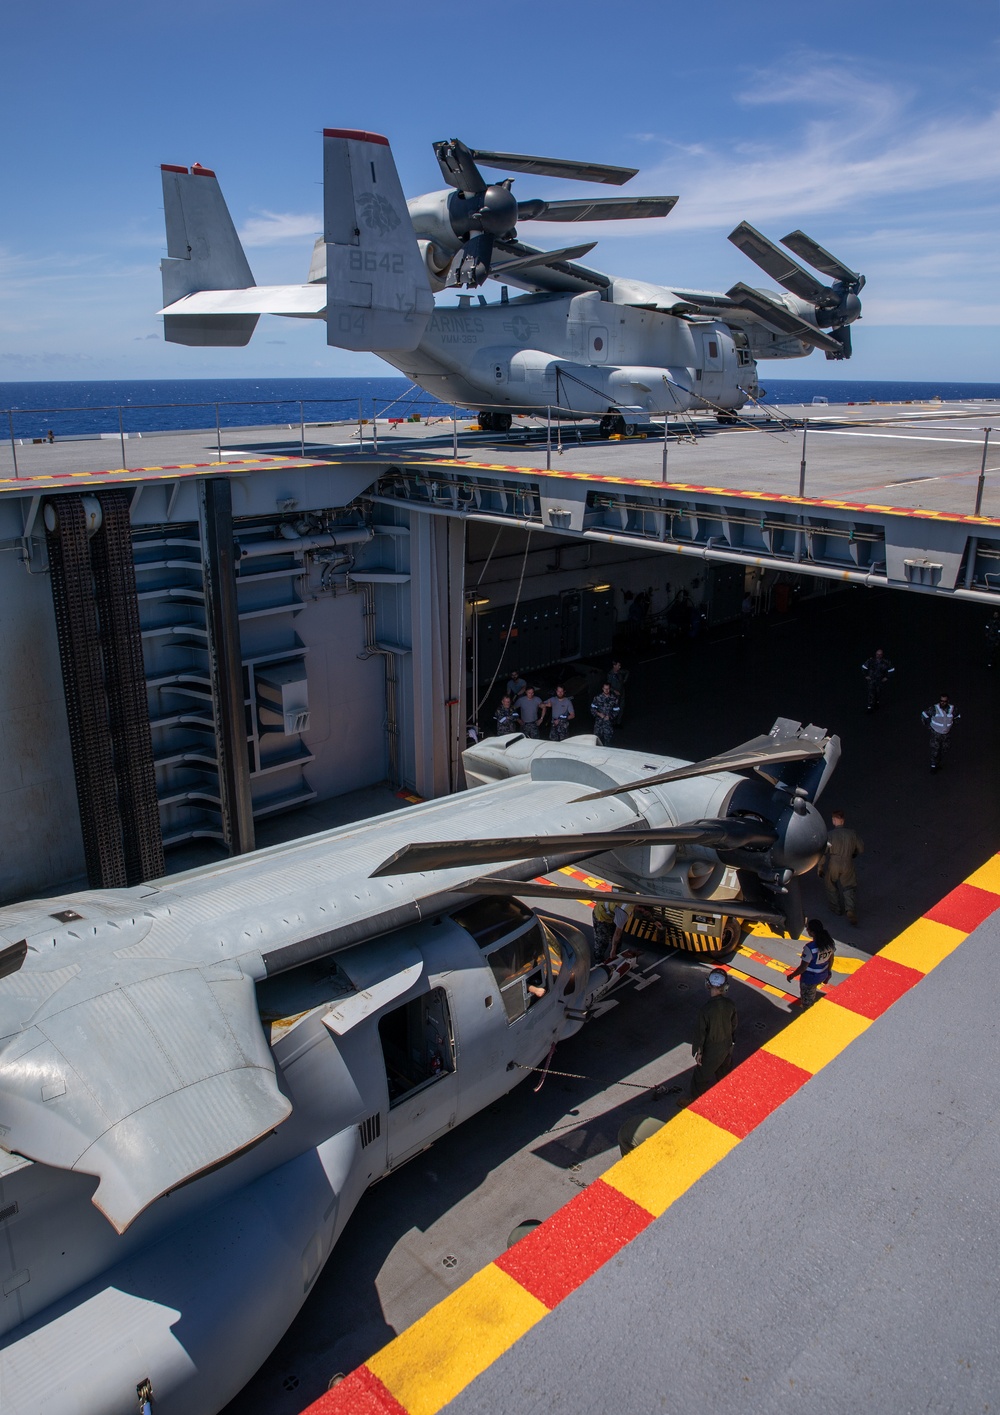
801	839
492	211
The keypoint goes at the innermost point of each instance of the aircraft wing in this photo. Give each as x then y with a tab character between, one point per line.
304	301
143	1071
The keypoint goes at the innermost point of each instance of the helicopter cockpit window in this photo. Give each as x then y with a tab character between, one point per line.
488	920
418	1044
521	970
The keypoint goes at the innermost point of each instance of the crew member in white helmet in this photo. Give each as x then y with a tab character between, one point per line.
715	1035
939	719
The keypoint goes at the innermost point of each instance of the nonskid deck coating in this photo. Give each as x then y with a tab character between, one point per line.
920	459
433	1362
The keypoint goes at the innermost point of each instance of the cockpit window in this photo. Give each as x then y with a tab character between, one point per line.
488	920
521	970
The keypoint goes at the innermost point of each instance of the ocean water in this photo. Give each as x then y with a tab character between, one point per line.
147	405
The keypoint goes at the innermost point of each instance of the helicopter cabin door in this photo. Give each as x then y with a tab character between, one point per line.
711	383
418	1048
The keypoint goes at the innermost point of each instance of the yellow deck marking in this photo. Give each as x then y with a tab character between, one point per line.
987	876
666	1165
923	945
817	1036
429	1363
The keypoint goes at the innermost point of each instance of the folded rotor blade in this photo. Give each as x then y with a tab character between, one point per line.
726	908
525	262
773	260
458	166
599	209
761	752
756	302
813	254
555	167
594	278
730	834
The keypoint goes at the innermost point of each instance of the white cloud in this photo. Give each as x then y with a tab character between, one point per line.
273	228
871	142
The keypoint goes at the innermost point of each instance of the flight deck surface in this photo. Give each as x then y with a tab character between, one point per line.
925	457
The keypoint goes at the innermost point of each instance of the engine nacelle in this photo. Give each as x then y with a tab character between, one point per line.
437	261
431	218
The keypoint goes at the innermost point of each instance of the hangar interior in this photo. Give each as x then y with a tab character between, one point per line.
279	639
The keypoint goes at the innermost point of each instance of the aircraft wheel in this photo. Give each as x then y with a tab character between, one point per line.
486	423
607	426
628	429
727	418
501	422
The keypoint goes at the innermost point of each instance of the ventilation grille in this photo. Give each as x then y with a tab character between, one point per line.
11	1210
370	1129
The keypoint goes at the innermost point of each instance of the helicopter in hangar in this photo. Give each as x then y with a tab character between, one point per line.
200	1075
580	342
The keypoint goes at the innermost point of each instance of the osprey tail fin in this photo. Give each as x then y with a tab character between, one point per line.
378	293
203	253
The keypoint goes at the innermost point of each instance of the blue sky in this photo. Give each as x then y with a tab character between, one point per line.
875	126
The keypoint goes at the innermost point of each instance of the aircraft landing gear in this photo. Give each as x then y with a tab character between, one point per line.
727	418
495	422
614	425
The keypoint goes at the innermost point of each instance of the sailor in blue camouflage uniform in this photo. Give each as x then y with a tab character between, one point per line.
506	717
604	710
817	962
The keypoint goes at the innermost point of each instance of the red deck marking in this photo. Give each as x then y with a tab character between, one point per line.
964	908
874	987
553	1260
362	1393
740	1101
355	133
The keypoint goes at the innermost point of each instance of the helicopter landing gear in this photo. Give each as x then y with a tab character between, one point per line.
614	425
727	418
495	422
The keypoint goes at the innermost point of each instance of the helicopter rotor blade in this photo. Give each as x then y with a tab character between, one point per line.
763	751
765	308
554	167
814	254
458	166
730	834
727	908
525	262
596	209
779	265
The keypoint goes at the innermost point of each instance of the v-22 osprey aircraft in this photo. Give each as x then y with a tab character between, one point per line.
583	343
201	1075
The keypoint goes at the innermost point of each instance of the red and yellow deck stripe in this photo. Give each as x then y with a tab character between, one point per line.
427	1365
47	481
